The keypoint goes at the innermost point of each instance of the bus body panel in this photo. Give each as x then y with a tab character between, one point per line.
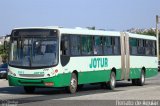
91	69
61	80
138	62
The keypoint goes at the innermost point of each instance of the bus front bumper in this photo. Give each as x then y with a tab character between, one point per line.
56	81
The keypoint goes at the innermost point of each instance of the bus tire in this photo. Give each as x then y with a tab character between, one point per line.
134	81
112	83
103	85
80	86
29	89
141	80
73	84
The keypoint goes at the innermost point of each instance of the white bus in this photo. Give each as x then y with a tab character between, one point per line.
63	57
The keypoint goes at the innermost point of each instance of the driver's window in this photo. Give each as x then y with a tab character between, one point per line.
65	45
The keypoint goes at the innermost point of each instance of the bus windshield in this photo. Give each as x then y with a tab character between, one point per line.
33	49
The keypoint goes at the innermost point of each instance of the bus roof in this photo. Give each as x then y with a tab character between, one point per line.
90	32
149	37
77	30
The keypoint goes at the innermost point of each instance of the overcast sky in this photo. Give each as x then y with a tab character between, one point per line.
104	14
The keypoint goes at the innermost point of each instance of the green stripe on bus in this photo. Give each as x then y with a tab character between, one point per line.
93	76
135	72
62	80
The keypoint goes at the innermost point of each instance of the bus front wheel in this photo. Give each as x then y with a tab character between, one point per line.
29	89
73	84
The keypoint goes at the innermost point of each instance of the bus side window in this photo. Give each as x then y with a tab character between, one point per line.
65	45
154	49
141	49
86	47
116	45
133	46
108	48
75	45
148	48
97	45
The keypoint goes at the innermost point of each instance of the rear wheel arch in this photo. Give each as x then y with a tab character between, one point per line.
113	70
76	72
144	69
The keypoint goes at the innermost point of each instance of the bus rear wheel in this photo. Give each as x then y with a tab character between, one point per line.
112	83
140	81
73	84
29	89
134	81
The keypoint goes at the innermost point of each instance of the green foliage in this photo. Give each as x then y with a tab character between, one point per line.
149	32
4	56
3	53
1	49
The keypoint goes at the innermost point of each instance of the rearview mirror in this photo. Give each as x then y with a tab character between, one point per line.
5	45
6	41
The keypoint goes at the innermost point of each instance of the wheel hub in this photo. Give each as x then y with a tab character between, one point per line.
73	84
142	78
112	81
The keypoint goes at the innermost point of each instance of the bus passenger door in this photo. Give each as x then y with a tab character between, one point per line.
125	60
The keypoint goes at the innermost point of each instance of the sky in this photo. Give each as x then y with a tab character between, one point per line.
103	14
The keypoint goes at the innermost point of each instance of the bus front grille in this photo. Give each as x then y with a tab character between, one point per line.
31	75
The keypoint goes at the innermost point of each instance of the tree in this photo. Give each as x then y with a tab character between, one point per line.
148	32
4	52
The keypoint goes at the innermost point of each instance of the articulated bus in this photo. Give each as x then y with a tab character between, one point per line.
70	58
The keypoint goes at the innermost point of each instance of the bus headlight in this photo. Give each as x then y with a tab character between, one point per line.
11	73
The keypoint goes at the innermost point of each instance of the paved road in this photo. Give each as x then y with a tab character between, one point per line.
124	91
